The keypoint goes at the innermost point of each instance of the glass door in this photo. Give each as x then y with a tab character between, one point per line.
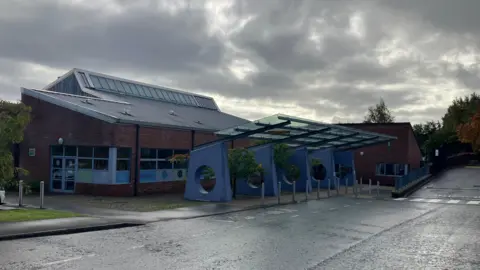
57	174
63	174
69	176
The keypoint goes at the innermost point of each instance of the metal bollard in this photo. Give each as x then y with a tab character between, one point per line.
279	191
378	188
337	185
306	192
293	194
42	194
328	189
346	186
318	190
360	184
20	193
369	186
356	189
263	193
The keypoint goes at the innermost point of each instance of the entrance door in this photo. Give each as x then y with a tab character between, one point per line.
63	174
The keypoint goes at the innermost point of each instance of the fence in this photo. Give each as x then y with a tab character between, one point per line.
415	174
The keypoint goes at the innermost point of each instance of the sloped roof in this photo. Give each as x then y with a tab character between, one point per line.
124	87
132	110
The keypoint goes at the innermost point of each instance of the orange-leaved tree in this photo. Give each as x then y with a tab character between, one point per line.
470	132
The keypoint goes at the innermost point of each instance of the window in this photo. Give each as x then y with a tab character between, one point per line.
100	164
123	159
391	169
180	165
155	159
57	150
101	152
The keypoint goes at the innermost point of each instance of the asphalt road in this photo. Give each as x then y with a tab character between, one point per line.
338	233
459	184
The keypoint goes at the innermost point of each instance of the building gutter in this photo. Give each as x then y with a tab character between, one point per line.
137	159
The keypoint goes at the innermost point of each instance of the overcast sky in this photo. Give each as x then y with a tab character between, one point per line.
321	59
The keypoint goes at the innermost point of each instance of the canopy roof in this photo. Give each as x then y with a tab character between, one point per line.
297	132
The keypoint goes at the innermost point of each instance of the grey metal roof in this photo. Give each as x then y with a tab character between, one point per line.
128	109
297	132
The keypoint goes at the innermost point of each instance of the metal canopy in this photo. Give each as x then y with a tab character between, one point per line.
297	132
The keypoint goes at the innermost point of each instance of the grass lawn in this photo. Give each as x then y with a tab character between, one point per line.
33	214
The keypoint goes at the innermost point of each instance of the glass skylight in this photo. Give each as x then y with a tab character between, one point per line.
138	90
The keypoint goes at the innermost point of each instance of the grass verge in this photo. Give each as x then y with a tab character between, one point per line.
18	215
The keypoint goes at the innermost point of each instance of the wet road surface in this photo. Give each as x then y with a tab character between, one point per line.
455	184
338	233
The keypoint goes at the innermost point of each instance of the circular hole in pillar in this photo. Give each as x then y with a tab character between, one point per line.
205	176
318	172
255	181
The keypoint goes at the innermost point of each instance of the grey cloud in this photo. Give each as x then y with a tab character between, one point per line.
149	42
142	37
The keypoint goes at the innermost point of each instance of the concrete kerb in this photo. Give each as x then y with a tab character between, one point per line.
67	231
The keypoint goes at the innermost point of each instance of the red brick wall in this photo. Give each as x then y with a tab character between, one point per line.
50	122
414	153
400	151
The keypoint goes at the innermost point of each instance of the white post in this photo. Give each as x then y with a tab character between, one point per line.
20	193
42	194
369	186
318	189
378	188
293	194
279	191
263	193
328	189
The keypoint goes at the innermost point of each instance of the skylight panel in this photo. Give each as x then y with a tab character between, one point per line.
103	83
149	91
84	79
96	82
138	89
111	85
183	98
177	97
158	92
120	87
170	96
192	99
206	103
127	88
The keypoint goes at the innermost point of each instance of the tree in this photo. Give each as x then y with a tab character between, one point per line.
242	164
14	117
460	111
423	132
470	132
379	114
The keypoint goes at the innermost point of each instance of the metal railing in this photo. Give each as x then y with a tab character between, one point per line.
402	182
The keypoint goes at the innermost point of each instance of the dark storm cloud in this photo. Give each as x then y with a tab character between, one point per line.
303	52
